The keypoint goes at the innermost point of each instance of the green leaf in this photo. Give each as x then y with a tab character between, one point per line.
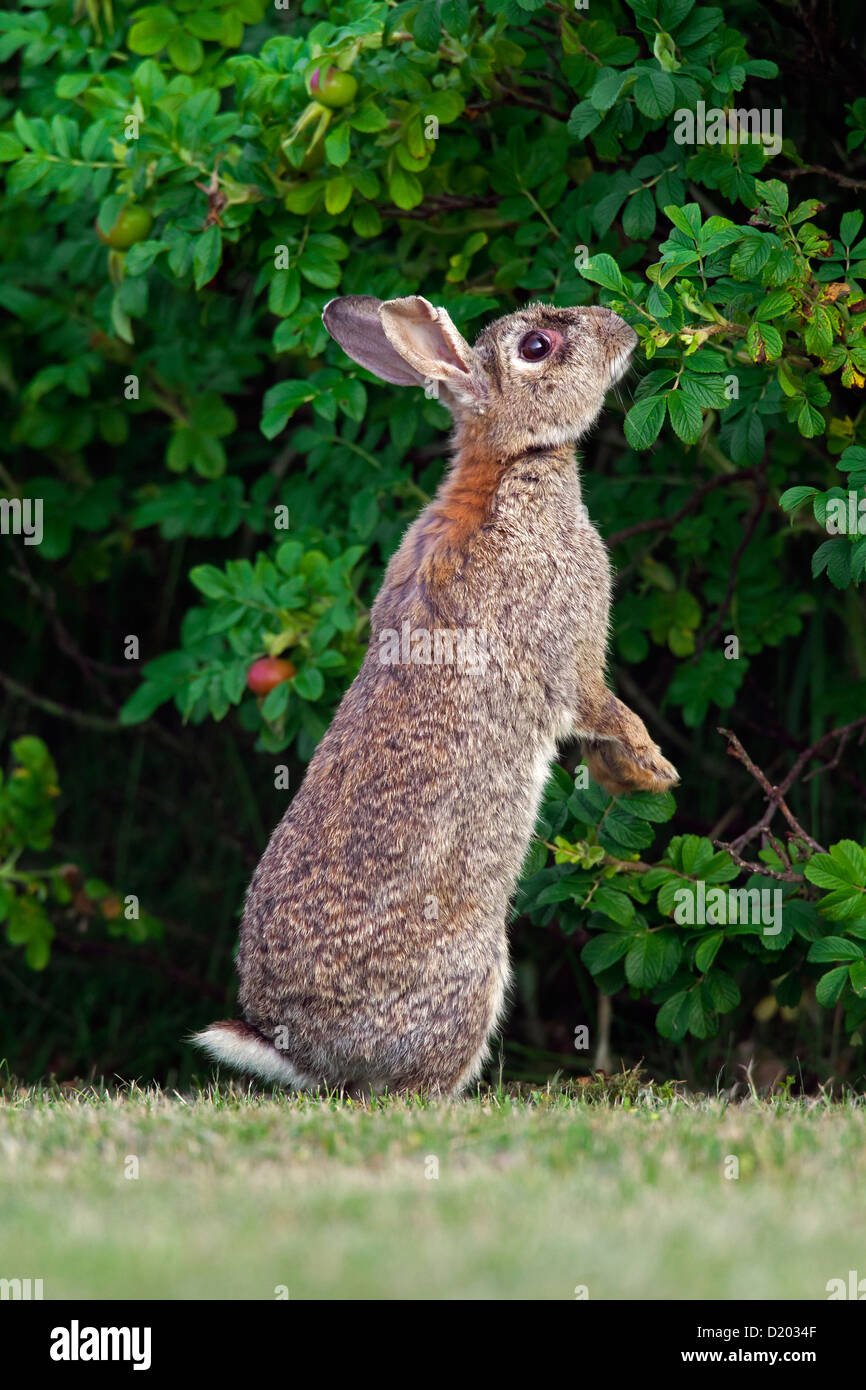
686	219
142	703
205	25
37	952
708	949
652	806
284	292
618	906
338	144
639	217
185	51
774	304
655	94
794	497
309	683
606	88
604	950
828	948
652	958
857	976
723	991
338	195
584	119
844	865
369	118
751	256
10	146
775	194
672	1019
703	1022
763	342
404	189
206	256
603	270
810	422
705	390
276	701
850	859
210	581
280	403
644	420
320	269
659	303
141	256
303	198
686	416
427	26
831	985
622	831
152	30
849	227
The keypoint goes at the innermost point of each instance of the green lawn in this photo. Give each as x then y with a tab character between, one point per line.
238	1194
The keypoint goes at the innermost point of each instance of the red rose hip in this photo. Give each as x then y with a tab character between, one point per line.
268	672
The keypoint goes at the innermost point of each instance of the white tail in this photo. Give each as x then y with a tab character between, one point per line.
241	1047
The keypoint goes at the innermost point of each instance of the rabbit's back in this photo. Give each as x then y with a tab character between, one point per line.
374	928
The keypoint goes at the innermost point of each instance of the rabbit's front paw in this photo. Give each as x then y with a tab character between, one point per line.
620	767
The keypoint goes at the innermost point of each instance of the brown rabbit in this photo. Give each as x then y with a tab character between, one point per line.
373	948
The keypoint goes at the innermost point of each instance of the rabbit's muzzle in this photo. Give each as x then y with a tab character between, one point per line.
617	338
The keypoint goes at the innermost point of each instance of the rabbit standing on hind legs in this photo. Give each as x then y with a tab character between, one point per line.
373	947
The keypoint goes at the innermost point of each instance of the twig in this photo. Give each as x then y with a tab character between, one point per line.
72	716
757	868
751	527
136	957
828	767
775	797
511	98
844	730
667	523
842	179
445	203
87	721
65	640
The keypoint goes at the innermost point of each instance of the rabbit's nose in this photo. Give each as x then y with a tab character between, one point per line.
611	327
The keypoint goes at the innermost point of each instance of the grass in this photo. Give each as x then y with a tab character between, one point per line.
617	1186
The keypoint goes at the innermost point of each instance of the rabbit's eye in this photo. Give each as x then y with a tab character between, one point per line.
534	346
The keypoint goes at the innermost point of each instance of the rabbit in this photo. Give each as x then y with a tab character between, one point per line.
373	953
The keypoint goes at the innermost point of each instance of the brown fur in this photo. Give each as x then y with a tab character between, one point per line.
464	501
373	946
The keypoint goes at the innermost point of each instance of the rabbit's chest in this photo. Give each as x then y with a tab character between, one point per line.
552	616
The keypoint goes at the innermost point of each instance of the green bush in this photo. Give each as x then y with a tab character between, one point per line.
219	484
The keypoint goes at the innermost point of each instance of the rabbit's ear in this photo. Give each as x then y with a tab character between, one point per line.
354	322
426	338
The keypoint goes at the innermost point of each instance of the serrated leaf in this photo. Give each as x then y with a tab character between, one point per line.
604	950
685	415
828	948
708	949
655	94
206	256
644	421
645	962
831	985
672	1019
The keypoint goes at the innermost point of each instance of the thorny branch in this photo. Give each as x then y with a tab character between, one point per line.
776	798
668	523
748	532
842	179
